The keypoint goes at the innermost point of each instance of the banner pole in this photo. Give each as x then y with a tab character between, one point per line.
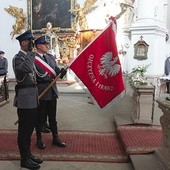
48	87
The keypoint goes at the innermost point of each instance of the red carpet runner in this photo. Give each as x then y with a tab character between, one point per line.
81	146
138	139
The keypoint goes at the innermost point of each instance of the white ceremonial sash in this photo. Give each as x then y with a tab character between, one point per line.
45	66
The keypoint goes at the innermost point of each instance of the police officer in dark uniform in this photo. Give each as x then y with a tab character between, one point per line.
26	99
3	72
3	64
167	73
48	102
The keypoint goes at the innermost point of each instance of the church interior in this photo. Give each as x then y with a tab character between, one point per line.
142	39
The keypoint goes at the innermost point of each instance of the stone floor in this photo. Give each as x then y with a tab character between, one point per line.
74	113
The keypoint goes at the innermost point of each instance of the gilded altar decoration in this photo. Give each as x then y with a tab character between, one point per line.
64	53
81	13
70	41
65	45
50	29
20	22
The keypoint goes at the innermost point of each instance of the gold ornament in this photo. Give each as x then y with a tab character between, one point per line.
20	19
82	12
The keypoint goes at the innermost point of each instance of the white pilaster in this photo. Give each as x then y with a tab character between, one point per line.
151	24
152	12
142	13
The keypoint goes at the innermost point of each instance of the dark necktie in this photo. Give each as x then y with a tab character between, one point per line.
45	58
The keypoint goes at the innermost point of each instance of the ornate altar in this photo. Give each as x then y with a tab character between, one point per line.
57	23
4	94
60	22
68	45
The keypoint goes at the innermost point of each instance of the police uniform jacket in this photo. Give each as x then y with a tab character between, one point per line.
167	66
3	66
44	79
26	91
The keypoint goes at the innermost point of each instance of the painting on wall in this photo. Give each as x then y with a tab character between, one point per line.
57	12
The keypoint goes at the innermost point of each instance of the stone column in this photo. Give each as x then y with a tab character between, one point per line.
143	97
145	15
152	12
163	154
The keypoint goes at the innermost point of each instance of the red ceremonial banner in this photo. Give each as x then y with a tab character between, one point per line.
99	68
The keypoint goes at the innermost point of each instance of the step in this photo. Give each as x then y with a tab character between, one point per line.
122	119
145	162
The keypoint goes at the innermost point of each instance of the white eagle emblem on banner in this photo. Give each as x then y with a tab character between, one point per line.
108	66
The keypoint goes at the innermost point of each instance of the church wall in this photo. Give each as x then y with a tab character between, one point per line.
11	46
8	45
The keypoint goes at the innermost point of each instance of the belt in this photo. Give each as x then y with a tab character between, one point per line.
44	82
26	86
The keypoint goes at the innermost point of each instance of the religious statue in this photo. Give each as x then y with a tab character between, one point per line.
20	19
50	30
126	9
123	8
81	13
129	6
49	26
